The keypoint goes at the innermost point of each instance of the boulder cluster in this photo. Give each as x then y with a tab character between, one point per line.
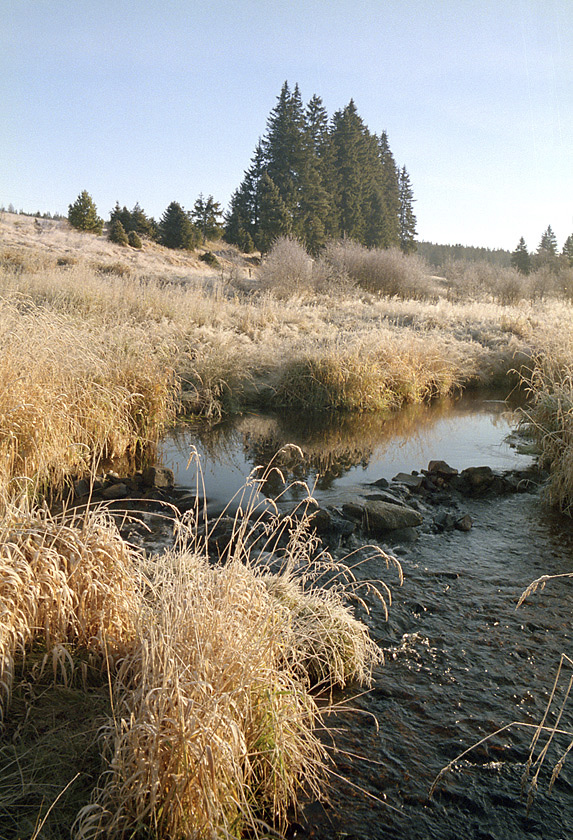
386	511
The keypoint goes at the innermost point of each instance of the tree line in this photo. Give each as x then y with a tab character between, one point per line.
177	228
546	256
310	177
317	179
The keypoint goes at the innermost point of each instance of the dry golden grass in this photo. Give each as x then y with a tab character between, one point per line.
213	725
94	364
63	584
71	398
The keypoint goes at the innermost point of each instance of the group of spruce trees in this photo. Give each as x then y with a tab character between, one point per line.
177	228
318	179
310	177
546	256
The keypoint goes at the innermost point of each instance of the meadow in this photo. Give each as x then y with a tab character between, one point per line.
202	680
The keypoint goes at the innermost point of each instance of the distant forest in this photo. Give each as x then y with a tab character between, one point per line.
440	255
317	179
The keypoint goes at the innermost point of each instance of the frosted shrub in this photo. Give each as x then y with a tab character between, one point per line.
287	269
378	270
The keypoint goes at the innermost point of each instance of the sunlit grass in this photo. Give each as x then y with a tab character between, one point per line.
213	724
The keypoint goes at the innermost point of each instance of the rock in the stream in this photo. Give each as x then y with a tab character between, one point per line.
380	517
441	468
116	491
464	523
158	477
382	496
445	520
382	483
321	521
410	480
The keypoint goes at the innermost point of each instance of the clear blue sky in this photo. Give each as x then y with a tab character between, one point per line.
159	100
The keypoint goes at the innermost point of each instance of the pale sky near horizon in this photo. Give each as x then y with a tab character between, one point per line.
149	101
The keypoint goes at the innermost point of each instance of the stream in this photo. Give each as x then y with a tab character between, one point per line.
460	660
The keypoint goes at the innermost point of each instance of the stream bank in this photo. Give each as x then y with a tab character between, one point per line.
460	660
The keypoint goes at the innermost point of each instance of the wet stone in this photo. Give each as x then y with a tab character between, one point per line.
464	523
380	517
412	482
158	477
116	491
385	497
441	468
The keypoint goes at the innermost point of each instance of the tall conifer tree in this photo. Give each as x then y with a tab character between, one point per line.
520	258
275	220
407	217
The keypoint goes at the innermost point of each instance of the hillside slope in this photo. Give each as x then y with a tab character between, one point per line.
45	242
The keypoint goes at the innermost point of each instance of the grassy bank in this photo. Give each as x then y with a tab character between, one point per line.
201	676
197	677
96	362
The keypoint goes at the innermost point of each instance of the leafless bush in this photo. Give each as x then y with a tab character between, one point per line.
382	271
543	283
566	283
287	269
484	281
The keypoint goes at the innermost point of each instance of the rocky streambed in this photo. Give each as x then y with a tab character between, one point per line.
460	660
431	500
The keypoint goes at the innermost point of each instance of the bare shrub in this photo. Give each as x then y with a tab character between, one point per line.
381	271
287	269
543	283
511	286
483	281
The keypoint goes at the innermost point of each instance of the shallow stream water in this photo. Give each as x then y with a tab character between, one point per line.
460	660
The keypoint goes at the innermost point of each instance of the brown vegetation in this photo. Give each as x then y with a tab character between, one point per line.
211	721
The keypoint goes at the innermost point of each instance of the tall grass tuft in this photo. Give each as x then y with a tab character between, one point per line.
71	398
214	731
550	419
356	377
63	584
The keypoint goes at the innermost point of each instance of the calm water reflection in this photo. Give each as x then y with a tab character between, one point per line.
344	450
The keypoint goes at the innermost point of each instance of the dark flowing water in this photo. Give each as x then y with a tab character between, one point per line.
461	661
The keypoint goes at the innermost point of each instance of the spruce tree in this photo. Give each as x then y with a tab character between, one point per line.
117	233
407	217
568	249
121	214
176	229
82	214
275	220
316	119
141	223
348	171
242	220
520	258
284	147
546	255
134	239
206	216
390	185
548	243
